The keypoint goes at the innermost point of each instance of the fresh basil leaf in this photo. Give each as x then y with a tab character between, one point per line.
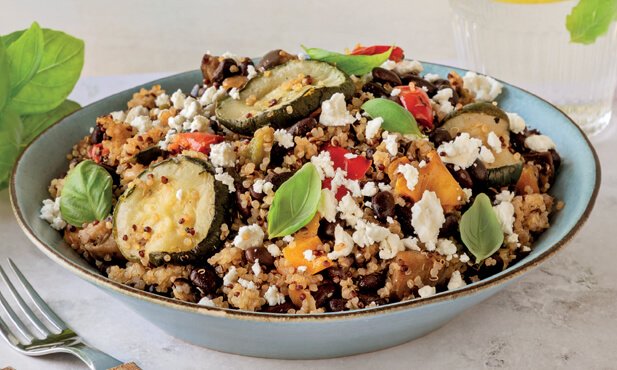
36	123
86	194
351	64
590	19
59	70
480	228
395	117
25	55
10	139
11	37
5	82
295	202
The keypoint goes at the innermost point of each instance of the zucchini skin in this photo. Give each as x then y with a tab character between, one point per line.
505	175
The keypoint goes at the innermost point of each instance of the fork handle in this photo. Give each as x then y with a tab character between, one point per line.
95	359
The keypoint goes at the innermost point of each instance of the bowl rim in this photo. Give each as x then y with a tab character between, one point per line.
108	284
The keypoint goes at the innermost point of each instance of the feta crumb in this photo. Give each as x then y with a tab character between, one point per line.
505	214
411	244
445	247
50	212
249	237
391	143
284	138
427	291
136	112
142	124
211	95
525	248
225	178
442	100
191	108
256	267
539	143
384	187
464	258
462	152
390	246
303	56
389	220
288	239
179	194
517	123
274	250
118	116
368	233
388	64
369	189
258	186
350	155
205	301
334	112
246	284
349	210
163	144
343	244
456	281
368	204
468	194
273	296
395	92
327	205
231	276
372	128
427	218
176	123
494	142
251	72
234	93
486	155
408	66
222	155
301	268
483	87
431	77
162	101
197	124
504	196
323	164
422	164
410	173
177	99
308	255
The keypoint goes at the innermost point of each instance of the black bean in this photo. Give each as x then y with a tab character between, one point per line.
277	155
367	299
205	280
556	159
97	135
303	127
449	227
370	152
396	99
115	177
445	84
226	68
374	88
324	293
279	308
478	172
195	91
261	254
244	65
371	282
383	204
277	179
461	176
440	136
385	76
273	58
338	273
149	155
403	215
337	304
326	230
431	89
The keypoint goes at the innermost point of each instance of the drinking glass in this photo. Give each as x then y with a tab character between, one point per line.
528	45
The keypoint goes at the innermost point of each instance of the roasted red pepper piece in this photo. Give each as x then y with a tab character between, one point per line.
97	152
417	102
197	141
397	53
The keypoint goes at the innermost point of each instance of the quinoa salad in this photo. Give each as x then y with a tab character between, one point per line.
307	183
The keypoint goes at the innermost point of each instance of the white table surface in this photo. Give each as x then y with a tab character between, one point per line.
562	315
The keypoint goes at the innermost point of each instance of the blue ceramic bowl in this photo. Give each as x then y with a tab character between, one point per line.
305	336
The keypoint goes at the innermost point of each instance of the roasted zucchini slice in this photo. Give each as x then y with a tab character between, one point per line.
172	213
283	95
506	169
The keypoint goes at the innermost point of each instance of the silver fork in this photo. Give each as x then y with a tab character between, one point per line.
62	340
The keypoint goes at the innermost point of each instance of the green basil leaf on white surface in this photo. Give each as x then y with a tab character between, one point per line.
86	194
5	81
395	117
351	64
480	228
590	19
295	202
25	55
34	124
10	141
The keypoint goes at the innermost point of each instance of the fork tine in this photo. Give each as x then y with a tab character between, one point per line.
8	335
15	319
38	301
24	307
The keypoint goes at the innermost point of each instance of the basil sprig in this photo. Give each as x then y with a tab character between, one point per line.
351	64
86	194
38	70
395	117
295	202
480	228
590	19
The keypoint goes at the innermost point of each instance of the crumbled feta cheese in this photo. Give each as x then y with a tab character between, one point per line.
427	218
368	204
288	239
468	194
517	123
234	93
354	187
445	247
494	142
246	284
205	301
368	233
343	244
464	258
408	66
191	108
389	220
176	123
308	255
249	237
539	143
483	87
388	64
256	267
339	179
456	281
179	194
168	137
410	173
504	196
197	124
222	155
225	178
323	164
177	99
162	101
301	268
384	187
211	95
427	291
349	210
395	92
462	152
422	164
118	116
350	155
273	296
136	112
334	112
486	155
261	186
525	248
142	124
372	128
327	205
284	138
303	56
505	214
431	77
251	72
391	143
411	244
50	212
390	246
442	100
231	276
369	189
274	250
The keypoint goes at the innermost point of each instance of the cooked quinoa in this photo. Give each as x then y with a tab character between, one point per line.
388	233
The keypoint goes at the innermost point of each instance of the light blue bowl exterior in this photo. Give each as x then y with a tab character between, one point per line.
304	336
